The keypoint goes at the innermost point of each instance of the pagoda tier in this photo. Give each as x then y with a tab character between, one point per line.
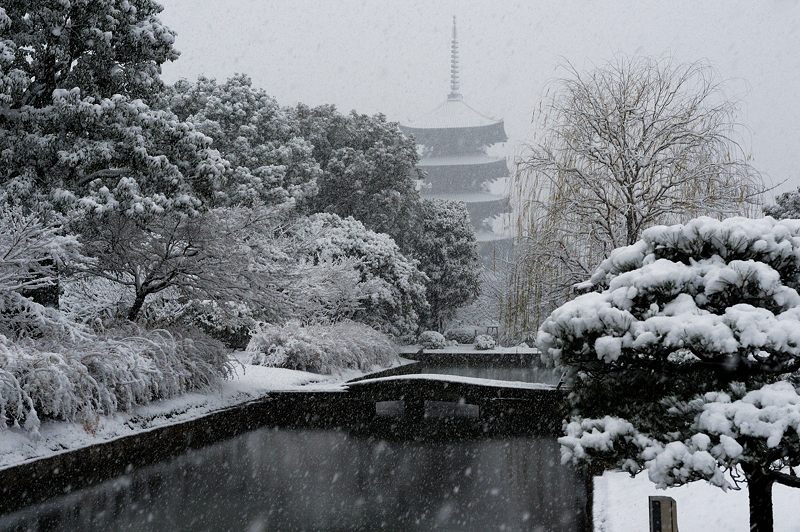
461	173
455	127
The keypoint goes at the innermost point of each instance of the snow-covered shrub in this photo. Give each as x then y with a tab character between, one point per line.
94	300
461	335
684	355
484	342
432	340
321	348
392	287
77	381
31	253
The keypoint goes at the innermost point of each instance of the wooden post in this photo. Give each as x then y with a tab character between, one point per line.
663	514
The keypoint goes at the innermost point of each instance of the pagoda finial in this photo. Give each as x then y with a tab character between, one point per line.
455	86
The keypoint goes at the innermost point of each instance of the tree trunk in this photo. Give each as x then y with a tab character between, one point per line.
137	306
759	491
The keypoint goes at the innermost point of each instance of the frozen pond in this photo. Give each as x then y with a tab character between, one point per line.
281	479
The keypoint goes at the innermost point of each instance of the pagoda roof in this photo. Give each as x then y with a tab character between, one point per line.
469	197
453	113
458	160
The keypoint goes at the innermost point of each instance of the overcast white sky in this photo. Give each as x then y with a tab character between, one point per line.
393	56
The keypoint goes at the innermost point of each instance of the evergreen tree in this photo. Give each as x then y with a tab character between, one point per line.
368	170
685	357
76	127
787	205
448	255
270	162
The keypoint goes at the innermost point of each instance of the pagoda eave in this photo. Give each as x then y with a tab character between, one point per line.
479	135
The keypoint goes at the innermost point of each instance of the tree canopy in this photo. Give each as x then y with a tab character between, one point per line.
76	126
369	170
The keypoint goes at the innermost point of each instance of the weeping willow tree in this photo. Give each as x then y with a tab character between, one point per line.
630	144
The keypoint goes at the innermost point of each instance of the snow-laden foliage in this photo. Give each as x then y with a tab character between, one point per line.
80	380
76	131
270	161
685	356
447	253
321	348
103	46
392	288
725	291
93	300
322	293
223	254
31	253
484	342
368	170
432	340
787	205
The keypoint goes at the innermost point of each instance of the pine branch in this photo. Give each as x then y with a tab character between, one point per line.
786	480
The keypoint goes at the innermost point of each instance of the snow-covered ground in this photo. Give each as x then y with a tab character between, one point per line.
620	505
249	383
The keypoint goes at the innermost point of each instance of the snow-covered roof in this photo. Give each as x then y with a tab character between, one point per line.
453	113
468	197
453	160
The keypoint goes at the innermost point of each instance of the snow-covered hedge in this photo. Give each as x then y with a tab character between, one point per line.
321	348
484	341
78	381
684	355
462	336
432	340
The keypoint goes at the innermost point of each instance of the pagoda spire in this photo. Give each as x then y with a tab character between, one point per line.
455	86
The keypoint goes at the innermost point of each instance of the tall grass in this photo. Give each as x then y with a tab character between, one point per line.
78	381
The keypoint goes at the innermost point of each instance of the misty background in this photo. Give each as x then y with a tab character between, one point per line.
393	56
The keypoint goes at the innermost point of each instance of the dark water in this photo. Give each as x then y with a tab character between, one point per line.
330	480
526	373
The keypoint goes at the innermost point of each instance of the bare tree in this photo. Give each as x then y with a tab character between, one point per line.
630	144
221	254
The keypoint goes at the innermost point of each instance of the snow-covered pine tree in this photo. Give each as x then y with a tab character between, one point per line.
787	205
685	357
76	127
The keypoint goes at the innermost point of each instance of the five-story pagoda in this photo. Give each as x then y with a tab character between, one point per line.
454	139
